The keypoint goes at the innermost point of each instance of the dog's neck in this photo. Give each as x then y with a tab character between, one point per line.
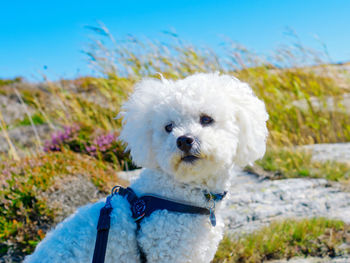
165	185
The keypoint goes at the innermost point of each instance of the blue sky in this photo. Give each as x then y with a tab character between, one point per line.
34	34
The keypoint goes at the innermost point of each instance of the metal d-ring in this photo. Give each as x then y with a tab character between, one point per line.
115	189
212	212
212	201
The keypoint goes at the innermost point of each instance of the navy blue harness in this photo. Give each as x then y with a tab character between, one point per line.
142	207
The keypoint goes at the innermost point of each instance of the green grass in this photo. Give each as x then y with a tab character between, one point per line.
317	237
36	118
5	82
291	163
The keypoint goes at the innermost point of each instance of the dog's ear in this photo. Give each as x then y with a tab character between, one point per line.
137	123
251	117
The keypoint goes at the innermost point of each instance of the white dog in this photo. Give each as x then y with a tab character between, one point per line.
189	135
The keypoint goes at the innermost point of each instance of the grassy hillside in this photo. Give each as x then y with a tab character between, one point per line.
79	115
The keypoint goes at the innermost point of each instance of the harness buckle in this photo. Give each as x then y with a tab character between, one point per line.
138	209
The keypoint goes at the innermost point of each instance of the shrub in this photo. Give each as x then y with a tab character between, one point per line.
24	213
99	144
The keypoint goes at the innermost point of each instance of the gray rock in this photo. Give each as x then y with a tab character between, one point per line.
12	109
332	104
23	137
253	203
69	193
339	152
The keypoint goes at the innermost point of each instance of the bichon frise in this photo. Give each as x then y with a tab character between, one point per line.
189	135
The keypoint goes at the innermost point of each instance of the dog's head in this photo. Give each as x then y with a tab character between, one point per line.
194	127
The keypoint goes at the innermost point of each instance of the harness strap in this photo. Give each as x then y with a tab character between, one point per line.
103	226
143	258
141	207
132	198
153	203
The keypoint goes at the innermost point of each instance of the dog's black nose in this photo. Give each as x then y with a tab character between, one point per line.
184	143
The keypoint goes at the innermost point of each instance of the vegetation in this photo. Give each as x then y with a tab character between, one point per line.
4	82
96	101
317	237
37	120
99	144
24	214
290	124
291	163
279	80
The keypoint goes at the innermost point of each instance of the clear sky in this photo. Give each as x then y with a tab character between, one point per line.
37	33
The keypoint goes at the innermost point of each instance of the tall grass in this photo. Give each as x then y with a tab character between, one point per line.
289	124
282	78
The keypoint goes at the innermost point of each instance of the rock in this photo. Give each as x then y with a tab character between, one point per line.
12	109
253	203
332	104
23	137
69	193
339	152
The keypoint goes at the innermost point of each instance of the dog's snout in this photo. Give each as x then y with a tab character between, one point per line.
184	143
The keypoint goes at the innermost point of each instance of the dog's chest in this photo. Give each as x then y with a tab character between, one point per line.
176	237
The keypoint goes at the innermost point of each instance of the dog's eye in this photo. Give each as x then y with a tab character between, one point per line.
168	128
206	120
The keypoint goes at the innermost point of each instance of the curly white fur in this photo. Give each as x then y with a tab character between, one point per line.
235	138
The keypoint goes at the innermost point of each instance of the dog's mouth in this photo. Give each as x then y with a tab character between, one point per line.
189	158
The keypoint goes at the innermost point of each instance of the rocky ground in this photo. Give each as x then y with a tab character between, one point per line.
23	137
253	203
339	152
